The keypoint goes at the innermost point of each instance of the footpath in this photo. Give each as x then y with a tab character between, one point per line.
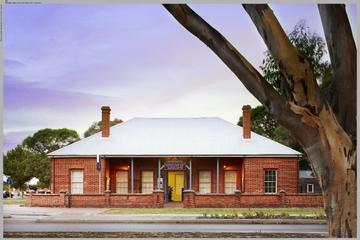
97	215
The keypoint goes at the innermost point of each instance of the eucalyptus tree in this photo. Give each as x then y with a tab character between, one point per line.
324	124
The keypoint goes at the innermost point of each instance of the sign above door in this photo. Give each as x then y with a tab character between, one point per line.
174	165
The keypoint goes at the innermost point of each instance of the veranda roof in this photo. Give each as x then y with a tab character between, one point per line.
176	137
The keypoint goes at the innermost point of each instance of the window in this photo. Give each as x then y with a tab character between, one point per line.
230	181
310	188
77	181
147	182
204	181
270	181
121	182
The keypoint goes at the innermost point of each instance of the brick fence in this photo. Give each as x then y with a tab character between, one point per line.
151	200
282	199
191	200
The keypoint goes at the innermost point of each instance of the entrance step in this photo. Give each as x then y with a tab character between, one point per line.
173	205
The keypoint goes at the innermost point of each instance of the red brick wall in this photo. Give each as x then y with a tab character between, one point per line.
216	200
192	199
260	200
140	164
62	176
87	200
145	164
209	164
45	200
154	200
287	174
250	173
304	200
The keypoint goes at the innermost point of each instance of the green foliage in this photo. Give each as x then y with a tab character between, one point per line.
43	142
29	159
311	46
16	165
48	140
97	127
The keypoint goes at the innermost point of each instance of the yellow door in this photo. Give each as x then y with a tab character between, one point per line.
176	182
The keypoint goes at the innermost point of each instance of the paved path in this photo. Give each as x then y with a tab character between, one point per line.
30	226
40	213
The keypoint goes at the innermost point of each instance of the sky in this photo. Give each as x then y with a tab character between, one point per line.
63	62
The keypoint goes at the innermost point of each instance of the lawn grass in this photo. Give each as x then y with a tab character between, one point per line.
14	201
220	211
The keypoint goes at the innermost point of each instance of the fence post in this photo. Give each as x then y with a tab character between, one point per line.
31	192
158	198
238	196
282	198
68	198
107	197
189	199
62	197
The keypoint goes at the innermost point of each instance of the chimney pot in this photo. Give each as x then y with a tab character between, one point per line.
246	121
105	121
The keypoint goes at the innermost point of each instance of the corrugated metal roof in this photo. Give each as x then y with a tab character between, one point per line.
176	136
306	174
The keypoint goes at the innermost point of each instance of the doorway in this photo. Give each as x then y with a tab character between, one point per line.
176	184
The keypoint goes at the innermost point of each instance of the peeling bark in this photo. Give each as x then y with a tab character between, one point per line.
304	112
292	64
342	50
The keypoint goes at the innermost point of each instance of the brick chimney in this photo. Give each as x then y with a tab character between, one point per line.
105	121
246	121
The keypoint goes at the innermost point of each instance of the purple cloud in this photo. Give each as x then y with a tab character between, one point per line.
62	62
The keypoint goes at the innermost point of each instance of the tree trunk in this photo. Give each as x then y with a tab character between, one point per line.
333	158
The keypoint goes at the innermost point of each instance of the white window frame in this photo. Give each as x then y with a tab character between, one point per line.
73	182
227	182
209	183
118	188
147	189
307	187
276	180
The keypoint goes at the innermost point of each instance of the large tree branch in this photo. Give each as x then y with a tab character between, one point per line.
248	75
342	91
293	65
276	104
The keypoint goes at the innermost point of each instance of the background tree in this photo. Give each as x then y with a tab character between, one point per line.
43	142
16	165
97	127
48	140
313	48
323	124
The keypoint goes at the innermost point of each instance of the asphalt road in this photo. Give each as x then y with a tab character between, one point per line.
27	226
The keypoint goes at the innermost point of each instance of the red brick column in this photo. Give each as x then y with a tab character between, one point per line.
63	198
189	199
28	201
158	196
105	121
238	196
246	121
52	175
282	198
103	174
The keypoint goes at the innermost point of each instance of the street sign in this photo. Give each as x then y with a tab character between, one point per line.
9	181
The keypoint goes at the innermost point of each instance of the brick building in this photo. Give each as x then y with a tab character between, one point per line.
201	162
308	182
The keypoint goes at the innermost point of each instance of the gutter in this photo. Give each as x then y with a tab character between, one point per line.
176	155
